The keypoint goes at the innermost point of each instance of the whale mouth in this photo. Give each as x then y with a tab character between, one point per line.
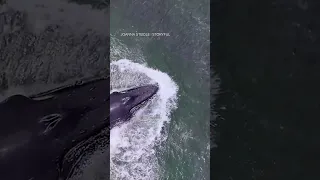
142	95
139	106
136	98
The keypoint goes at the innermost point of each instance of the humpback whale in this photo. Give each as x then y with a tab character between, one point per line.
124	104
43	136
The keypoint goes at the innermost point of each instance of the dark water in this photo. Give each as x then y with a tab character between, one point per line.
267	57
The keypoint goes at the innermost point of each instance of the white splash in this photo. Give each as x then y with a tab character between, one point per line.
132	153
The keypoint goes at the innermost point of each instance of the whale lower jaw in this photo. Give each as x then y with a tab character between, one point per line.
133	112
135	109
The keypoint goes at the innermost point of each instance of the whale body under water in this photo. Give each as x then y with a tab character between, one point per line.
43	136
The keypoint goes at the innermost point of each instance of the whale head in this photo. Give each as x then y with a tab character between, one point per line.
124	104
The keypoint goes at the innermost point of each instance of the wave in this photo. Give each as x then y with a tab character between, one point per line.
132	145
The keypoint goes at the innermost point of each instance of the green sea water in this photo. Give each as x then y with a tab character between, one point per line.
184	56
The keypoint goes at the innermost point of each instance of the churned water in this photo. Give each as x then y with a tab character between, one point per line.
133	153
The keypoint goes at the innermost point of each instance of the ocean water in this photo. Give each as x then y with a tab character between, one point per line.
176	144
132	145
169	138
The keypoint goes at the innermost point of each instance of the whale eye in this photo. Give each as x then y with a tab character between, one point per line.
50	121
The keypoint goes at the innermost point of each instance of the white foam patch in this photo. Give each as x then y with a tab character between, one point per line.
132	153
